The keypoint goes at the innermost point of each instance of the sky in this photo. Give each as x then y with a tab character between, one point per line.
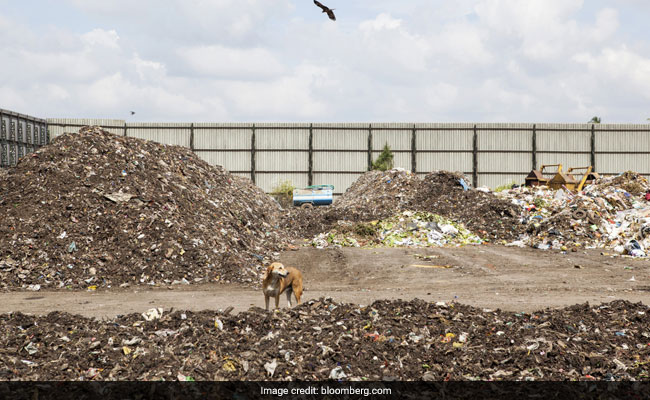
285	61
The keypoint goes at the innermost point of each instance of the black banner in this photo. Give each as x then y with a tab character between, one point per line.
322	390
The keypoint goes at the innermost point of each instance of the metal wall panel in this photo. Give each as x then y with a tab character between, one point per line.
165	133
74	124
400	160
396	139
237	137
326	137
505	162
613	164
268	182
341	182
282	161
497	139
567	160
444	140
622	140
329	161
232	161
493	181
281	138
563	140
427	162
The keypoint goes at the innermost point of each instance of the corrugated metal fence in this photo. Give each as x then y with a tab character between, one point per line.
338	153
20	135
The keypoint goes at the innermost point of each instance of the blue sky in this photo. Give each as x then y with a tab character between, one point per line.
282	60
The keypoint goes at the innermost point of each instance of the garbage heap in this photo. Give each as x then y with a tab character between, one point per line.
387	340
492	218
98	210
380	195
412	229
611	213
377	195
374	195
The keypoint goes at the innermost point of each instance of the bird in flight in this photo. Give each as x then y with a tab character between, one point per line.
330	12
132	112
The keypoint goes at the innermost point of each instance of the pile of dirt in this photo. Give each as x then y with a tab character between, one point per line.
319	340
377	195
98	210
490	217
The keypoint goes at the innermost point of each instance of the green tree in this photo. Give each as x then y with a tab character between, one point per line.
385	160
595	120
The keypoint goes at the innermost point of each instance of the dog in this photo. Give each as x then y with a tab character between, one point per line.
280	279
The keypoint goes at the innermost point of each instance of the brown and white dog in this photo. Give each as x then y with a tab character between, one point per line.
280	279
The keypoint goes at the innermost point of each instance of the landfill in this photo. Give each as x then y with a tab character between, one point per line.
96	210
407	229
610	214
326	340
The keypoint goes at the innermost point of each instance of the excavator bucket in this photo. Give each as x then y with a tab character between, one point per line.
536	177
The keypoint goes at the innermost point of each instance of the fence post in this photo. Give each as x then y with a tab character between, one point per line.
593	146
125	129
413	152
253	153
534	146
310	172
475	158
192	137
369	147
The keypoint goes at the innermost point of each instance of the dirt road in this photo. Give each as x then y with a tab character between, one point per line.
488	276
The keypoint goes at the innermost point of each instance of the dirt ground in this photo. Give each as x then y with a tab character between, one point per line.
487	276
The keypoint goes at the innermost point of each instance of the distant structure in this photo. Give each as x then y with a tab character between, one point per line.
330	12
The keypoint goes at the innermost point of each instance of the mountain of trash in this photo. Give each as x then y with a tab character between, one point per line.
612	213
95	209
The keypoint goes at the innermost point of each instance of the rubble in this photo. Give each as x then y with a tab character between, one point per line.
387	340
603	215
95	210
378	195
407	229
492	218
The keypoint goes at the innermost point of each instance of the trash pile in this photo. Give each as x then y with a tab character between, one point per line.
95	210
449	194
611	213
322	339
407	229
377	195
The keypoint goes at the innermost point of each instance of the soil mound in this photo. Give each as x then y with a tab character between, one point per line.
96	210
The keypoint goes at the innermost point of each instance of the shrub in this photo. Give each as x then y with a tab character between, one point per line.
283	193
385	160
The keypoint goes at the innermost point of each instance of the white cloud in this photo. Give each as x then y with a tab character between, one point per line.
100	37
281	60
232	63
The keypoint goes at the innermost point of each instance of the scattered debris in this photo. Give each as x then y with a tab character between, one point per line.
405	340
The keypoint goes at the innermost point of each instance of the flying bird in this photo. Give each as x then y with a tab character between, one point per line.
132	112
330	12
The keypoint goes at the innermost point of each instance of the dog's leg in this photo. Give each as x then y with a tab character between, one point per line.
288	292
297	291
277	301
266	300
